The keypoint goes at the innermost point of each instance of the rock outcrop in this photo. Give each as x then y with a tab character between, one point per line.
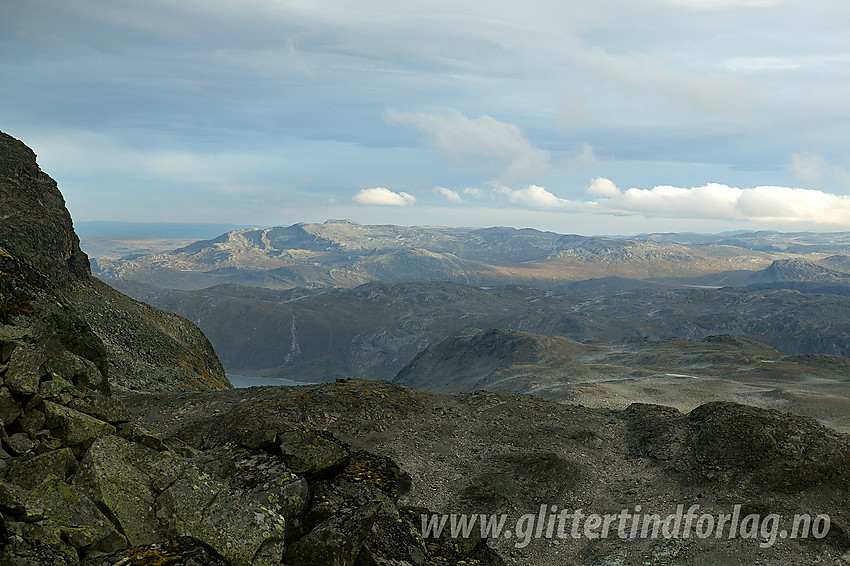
34	222
146	349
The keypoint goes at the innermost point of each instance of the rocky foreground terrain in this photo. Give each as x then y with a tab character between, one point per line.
498	453
82	484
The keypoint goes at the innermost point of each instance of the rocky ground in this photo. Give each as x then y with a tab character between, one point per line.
496	453
81	484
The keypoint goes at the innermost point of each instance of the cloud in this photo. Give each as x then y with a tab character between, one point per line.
712	201
717	201
384	197
451	195
473	192
813	169
723	93
535	197
484	136
603	187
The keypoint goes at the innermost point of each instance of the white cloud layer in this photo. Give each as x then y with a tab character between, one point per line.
602	187
451	195
484	136
535	197
711	201
382	196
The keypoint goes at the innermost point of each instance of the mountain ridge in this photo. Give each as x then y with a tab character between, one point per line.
36	225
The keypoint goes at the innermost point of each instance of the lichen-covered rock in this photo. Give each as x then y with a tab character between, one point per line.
26	366
31	421
9	407
184	551
313	453
11	499
335	542
262	476
100	406
125	478
142	436
205	507
73	368
30	472
19	443
70	518
73	427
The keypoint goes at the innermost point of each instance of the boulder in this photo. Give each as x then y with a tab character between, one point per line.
206	508
25	370
30	472
125	478
337	541
70	518
9	408
73	427
11	499
313	453
103	407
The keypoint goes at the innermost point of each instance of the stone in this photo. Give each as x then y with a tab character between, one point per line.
55	387
32	421
101	407
337	541
20	443
141	436
204	507
71	516
29	473
125	477
11	499
74	427
6	349
313	453
25	370
9	408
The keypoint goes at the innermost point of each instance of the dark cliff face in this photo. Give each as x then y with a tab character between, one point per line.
146	349
34	223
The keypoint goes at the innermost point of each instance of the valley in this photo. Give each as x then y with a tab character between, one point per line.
679	319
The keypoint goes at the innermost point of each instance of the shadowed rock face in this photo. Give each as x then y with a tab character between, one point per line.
146	349
34	222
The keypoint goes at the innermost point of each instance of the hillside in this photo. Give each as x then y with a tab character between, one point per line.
146	348
673	372
374	330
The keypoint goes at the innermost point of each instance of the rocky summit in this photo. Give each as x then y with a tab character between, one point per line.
146	348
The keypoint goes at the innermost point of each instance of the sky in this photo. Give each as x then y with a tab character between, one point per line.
604	117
